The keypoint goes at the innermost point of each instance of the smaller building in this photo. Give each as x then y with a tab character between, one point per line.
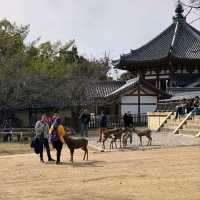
137	96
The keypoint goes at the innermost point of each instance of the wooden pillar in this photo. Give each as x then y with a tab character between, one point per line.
157	80
139	104
166	86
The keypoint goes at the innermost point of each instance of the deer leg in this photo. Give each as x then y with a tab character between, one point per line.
140	141
150	141
111	144
84	149
131	138
86	153
103	144
71	152
115	144
120	143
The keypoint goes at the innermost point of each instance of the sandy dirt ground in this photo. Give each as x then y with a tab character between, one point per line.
159	174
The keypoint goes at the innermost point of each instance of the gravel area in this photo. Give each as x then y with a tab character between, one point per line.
159	140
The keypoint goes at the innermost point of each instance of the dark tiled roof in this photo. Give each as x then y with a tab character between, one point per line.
187	94
103	88
180	41
129	84
184	80
133	83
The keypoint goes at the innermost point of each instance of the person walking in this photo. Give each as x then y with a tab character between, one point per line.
41	130
57	138
103	125
7	129
126	120
84	121
128	124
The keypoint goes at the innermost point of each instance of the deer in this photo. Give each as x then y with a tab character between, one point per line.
115	136
127	134
76	143
145	132
108	134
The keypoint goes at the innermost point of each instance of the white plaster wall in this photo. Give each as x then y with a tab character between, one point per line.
148	99
134	108
147	108
126	108
129	99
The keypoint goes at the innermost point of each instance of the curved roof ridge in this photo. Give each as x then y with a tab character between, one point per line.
177	28
154	39
192	30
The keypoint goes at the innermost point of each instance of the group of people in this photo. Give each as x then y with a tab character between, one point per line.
186	106
51	129
54	132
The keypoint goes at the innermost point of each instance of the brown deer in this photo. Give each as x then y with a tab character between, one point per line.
117	135
76	143
145	132
127	134
108	134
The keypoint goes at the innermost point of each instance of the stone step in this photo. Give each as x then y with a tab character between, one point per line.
188	132
193	122
192	126
175	120
190	129
166	130
173	123
197	117
169	126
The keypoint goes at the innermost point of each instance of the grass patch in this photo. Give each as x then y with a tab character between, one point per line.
14	148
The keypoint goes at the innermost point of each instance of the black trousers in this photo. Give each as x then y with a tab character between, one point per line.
46	145
58	146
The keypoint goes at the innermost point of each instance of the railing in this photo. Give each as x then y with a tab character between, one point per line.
117	121
113	121
166	106
15	136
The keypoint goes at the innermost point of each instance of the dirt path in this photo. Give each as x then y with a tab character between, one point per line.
130	175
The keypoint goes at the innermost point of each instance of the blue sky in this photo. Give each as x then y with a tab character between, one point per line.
115	26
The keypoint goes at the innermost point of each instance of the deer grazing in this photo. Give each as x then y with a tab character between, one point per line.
145	132
76	143
110	133
117	135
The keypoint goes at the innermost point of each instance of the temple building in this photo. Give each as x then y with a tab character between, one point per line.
172	59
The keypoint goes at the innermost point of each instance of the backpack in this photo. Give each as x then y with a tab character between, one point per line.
37	145
54	135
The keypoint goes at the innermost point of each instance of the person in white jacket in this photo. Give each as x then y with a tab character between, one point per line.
42	130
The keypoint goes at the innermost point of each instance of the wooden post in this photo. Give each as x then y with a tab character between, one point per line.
166	86
157	80
139	99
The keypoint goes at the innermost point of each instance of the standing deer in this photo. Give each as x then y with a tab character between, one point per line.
76	143
145	132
